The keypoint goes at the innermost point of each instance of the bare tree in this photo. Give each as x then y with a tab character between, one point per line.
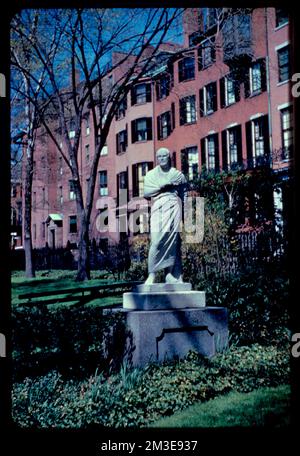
25	94
83	41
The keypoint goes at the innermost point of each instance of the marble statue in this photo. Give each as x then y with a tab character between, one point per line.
167	188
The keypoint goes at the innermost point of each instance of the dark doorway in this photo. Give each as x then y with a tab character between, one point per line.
52	238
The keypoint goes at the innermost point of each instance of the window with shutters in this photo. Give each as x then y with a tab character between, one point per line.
208	99
189	162
72	194
282	17
229	91
255	82
122	184
141	129
121	140
141	93
210	152
188	113
186	69
139	170
121	110
287	132
103	187
206	53
234	146
258	140
163	85
284	67
72	224
164	127
123	180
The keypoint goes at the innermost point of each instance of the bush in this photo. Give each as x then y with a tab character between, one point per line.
71	341
137	398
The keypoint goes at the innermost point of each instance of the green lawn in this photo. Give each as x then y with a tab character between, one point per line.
51	280
263	407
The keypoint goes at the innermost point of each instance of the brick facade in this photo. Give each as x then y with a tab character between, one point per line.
196	106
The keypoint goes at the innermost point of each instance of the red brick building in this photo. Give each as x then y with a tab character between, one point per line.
224	101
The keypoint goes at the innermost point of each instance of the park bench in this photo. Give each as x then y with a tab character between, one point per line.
81	294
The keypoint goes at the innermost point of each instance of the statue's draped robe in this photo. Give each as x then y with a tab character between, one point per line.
166	215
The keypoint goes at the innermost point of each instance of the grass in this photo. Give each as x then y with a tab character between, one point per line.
263	407
51	280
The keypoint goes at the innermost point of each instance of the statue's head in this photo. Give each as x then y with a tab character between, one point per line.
163	157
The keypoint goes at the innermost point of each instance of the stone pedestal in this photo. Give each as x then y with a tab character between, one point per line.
160	296
164	334
168	320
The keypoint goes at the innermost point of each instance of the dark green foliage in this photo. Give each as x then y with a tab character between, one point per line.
136	398
73	341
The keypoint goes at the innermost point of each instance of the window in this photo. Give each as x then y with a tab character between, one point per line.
141	93
141	129
257	137
72	194
34	201
121	139
61	198
232	147
72	224
206	54
104	150
189	162
139	171
87	153
87	126
13	192
164	125
282	17
34	231
210	152
208	18
121	110
61	171
122	188
187	107
287	131
163	85
229	91
208	99
72	129
103	188
284	68
43	229
142	171
186	69
255	83
43	196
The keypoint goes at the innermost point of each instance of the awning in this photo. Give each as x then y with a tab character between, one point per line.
54	217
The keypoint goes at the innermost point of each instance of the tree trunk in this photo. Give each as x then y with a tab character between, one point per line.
29	267
83	271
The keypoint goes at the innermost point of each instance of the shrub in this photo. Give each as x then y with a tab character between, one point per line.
137	398
72	341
